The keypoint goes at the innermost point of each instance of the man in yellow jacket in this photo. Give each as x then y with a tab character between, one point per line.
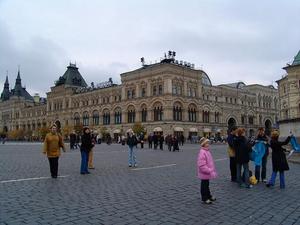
52	144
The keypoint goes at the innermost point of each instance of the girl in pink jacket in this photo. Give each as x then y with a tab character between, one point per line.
206	170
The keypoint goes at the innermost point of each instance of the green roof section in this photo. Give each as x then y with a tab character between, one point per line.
296	60
71	77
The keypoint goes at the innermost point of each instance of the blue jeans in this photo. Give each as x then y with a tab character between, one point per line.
84	162
263	169
281	178
131	156
246	173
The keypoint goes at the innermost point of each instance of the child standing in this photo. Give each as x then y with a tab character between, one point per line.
278	159
206	170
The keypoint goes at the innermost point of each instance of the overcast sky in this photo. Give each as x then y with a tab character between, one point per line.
230	40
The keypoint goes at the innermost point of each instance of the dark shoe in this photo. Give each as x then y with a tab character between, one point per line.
130	165
82	173
54	176
207	202
213	199
269	185
87	172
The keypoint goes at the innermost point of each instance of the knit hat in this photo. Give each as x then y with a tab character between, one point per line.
203	141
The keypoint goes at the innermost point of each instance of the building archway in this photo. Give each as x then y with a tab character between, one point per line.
268	127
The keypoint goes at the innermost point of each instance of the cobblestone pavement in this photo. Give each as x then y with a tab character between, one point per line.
164	190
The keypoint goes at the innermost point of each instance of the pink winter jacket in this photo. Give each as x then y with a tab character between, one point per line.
205	165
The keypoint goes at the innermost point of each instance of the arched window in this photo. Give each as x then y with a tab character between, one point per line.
217	117
205	116
177	112
192	113
106	118
131	114
118	116
85	119
158	113
144	114
76	119
95	117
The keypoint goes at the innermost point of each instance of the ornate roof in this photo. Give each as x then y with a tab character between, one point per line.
71	77
296	60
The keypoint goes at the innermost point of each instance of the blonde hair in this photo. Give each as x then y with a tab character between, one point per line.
275	134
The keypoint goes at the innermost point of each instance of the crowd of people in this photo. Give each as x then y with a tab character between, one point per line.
241	151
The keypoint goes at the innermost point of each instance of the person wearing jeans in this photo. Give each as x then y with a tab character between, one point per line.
263	167
279	161
85	148
131	142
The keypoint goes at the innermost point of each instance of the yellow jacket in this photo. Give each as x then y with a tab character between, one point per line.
52	145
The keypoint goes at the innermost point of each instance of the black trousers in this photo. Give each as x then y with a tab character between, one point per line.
205	192
233	168
53	162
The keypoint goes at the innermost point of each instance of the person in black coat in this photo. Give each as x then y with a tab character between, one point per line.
242	152
85	148
279	161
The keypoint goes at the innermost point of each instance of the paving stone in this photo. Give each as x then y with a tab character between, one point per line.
115	194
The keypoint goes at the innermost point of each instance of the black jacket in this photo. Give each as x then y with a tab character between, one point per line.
242	149
278	155
86	143
131	141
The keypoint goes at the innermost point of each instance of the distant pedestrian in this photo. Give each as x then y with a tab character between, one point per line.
150	140
52	144
131	142
85	148
206	170
279	160
91	152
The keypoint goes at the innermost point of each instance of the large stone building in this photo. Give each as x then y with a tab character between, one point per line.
168	97
289	93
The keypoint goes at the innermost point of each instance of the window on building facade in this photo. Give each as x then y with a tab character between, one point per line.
286	114
226	99
133	93
144	114
158	113
143	92
131	116
129	94
251	120
106	118
177	113
160	89
96	118
243	119
174	89
217	117
189	92
118	117
154	90
76	119
85	119
205	116
216	98
192	114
